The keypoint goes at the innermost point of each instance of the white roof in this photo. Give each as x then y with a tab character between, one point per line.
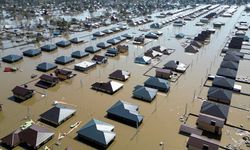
115	85
85	64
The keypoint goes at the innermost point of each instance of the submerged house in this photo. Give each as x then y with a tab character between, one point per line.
11	58
97	132
49	47
63	74
197	142
76	40
109	87
103	45
231	57
119	75
125	112
226	72
122	48
163	73
32	52
127	36
79	54
223	82
47	81
219	95
98	59
215	109
92	49
63	43
157	83
152	53
229	65
35	136
113	41
22	93
63	60
12	140
144	93
57	115
84	66
196	44
98	34
191	49
210	124
112	51
175	66
143	60
45	66
151	35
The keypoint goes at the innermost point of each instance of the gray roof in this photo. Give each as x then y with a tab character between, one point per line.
98	131
200	141
226	72
45	66
11	58
215	109
103	45
92	49
113	41
223	82
79	54
32	52
144	93
99	33
231	57
151	35
220	95
126	110
191	49
49	47
64	60
157	83
171	65
63	43
229	64
57	114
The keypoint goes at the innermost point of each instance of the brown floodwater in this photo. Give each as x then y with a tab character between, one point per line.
161	117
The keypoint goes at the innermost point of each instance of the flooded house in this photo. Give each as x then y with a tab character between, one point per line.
236	43
57	115
92	49
79	54
35	136
196	43
144	93
32	52
163	73
127	36
143	60
229	65
63	43
232	57
122	48
157	83
107	31
215	109
152	53
226	72
126	113
45	66
22	93
103	45
175	66
162	50
139	40
191	49
84	65
63	74
97	132
112	51
210	124
98	34
197	142
109	87
121	38
219	95
98	59
47	81
113	41
12	140
49	47
223	82
151	35
120	75
11	58
63	60
76	40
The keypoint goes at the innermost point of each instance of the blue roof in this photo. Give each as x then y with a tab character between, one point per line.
113	41
112	50
11	58
103	45
157	83
98	131
64	60
144	93
128	36
32	52
49	47
45	66
79	54
126	111
142	60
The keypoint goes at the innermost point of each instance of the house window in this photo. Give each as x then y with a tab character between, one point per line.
205	147
213	122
